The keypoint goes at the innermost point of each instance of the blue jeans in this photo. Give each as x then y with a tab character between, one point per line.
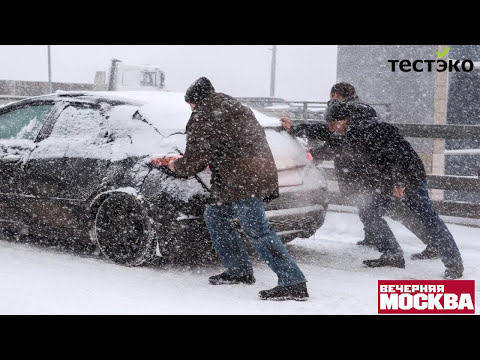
250	213
421	214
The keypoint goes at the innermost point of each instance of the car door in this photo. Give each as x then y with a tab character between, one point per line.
67	166
19	125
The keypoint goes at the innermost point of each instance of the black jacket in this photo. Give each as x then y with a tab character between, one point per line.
371	155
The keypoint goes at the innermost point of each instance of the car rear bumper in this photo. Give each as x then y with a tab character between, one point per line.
297	213
300	222
291	215
294	214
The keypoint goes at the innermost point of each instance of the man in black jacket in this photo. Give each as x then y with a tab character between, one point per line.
383	164
345	169
350	171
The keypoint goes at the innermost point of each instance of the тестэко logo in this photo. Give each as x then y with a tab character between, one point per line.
439	65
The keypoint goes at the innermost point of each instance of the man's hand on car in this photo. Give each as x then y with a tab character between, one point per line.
167	161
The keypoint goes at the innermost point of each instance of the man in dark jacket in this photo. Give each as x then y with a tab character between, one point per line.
349	168
386	164
225	135
346	169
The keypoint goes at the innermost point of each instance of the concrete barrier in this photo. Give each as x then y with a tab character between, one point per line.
35	88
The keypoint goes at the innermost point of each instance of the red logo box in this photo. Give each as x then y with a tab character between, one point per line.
426	296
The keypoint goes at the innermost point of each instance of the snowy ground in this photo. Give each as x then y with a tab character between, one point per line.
39	281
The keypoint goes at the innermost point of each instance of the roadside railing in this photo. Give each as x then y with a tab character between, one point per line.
301	110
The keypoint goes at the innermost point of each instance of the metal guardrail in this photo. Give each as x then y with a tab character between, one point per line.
466	132
298	109
442	207
440	182
305	110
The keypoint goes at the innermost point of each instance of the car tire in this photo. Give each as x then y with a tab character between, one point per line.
122	230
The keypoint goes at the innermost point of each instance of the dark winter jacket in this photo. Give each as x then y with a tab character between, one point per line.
371	155
225	135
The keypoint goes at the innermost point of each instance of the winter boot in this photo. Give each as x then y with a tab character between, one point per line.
453	272
292	292
429	253
226	279
395	260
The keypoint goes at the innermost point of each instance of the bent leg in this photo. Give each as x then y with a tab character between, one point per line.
419	203
373	208
265	241
368	237
400	212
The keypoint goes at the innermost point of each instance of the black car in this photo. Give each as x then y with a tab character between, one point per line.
77	167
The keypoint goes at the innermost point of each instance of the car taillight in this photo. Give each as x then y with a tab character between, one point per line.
163	161
309	156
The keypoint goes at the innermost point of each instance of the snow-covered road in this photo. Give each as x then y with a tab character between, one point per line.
41	281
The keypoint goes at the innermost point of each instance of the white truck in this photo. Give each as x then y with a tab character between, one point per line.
122	76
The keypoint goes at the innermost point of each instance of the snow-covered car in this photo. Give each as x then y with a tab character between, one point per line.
77	167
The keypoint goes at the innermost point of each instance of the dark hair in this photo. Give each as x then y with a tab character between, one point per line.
199	90
343	89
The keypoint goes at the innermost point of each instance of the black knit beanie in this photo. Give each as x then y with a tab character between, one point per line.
199	90
336	110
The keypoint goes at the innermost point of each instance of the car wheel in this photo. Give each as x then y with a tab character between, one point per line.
123	231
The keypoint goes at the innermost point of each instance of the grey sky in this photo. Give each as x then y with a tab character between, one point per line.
304	72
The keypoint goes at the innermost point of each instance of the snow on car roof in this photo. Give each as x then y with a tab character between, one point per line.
168	110
169	113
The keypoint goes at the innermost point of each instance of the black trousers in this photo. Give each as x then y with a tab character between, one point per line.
418	216
398	211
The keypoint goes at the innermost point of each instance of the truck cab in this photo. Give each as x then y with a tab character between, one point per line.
126	77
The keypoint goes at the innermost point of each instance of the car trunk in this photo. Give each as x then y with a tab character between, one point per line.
301	206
